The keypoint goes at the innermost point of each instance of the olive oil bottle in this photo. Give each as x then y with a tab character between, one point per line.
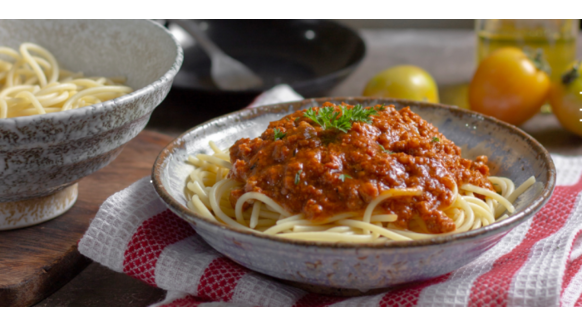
555	37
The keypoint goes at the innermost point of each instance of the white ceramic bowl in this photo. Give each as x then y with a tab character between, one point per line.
42	155
352	268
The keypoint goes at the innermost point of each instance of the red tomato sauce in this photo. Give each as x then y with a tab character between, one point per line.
321	172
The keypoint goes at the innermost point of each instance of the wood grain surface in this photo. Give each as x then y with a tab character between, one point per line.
38	260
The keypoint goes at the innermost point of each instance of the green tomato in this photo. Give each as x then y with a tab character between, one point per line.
404	82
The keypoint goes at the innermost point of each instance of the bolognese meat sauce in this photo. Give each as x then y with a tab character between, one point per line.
321	171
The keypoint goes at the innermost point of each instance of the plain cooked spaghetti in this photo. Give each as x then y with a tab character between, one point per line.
32	83
398	212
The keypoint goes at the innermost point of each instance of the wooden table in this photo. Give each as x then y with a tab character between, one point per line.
448	55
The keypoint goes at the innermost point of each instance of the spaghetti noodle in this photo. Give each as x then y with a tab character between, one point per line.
32	83
396	212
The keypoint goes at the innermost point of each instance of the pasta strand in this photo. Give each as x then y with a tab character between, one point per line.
32	83
209	185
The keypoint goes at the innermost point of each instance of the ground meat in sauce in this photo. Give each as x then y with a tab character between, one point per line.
303	171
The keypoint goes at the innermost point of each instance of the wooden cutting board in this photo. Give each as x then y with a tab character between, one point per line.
38	260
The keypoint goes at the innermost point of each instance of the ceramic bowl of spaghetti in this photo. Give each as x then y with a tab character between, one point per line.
72	94
354	194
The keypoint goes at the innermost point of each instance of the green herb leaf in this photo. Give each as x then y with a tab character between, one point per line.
435	139
328	117
360	114
386	151
344	176
298	176
279	134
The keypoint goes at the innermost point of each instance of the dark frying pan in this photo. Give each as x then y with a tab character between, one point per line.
310	55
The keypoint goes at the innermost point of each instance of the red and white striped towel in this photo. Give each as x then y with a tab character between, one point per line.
539	263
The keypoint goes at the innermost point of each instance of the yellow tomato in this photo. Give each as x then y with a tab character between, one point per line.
566	100
508	86
404	82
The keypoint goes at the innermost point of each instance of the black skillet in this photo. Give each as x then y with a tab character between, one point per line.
310	55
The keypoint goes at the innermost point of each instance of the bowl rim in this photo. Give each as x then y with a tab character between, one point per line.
82	111
499	226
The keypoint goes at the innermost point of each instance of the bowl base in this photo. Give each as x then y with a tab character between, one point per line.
24	213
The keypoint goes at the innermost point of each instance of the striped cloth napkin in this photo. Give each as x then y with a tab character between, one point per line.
537	264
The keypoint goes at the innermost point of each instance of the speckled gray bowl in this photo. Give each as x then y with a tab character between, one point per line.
512	154
42	154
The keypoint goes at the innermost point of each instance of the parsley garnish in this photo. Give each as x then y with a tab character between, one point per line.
344	176
435	139
327	117
298	176
279	134
386	151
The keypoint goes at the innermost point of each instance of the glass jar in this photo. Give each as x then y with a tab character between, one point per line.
555	37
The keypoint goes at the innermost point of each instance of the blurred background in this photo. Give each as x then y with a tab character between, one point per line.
409	23
320	58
